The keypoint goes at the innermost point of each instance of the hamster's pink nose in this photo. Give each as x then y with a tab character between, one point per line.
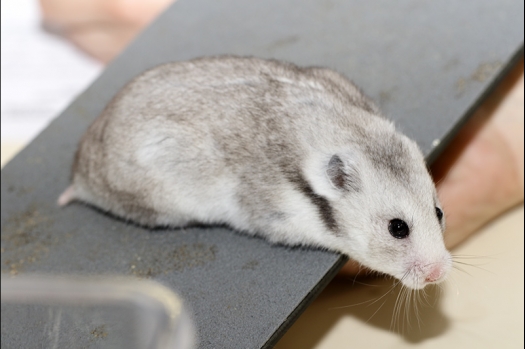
435	274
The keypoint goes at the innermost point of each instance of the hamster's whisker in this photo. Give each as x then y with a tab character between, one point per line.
354	281
461	269
454	282
466	260
472	265
425	297
393	321
402	307
352	305
371	301
470	256
440	180
401	298
386	293
402	320
408	306
397	308
469	264
417	303
375	312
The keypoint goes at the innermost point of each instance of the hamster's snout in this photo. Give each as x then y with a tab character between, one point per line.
436	274
426	272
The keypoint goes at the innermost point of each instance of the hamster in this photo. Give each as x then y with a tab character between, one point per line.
297	155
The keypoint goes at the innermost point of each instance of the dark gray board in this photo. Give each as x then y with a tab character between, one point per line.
427	63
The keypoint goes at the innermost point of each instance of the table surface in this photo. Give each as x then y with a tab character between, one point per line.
426	64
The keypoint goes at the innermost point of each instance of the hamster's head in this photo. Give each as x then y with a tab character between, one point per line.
388	215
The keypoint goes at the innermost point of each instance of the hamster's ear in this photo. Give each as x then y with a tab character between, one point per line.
343	176
332	175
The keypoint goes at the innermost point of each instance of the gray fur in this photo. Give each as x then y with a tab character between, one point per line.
298	155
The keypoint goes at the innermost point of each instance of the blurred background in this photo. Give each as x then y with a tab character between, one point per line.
41	74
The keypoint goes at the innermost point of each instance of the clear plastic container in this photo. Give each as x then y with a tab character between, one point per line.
92	312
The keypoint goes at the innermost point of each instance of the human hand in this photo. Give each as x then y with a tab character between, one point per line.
101	28
480	174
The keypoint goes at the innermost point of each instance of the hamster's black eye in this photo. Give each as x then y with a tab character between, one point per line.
439	214
398	228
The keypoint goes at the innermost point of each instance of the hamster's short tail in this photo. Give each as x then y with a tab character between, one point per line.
67	196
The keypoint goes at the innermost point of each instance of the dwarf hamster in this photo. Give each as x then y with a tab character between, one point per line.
297	155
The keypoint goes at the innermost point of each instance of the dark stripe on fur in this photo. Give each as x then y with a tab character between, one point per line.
323	206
